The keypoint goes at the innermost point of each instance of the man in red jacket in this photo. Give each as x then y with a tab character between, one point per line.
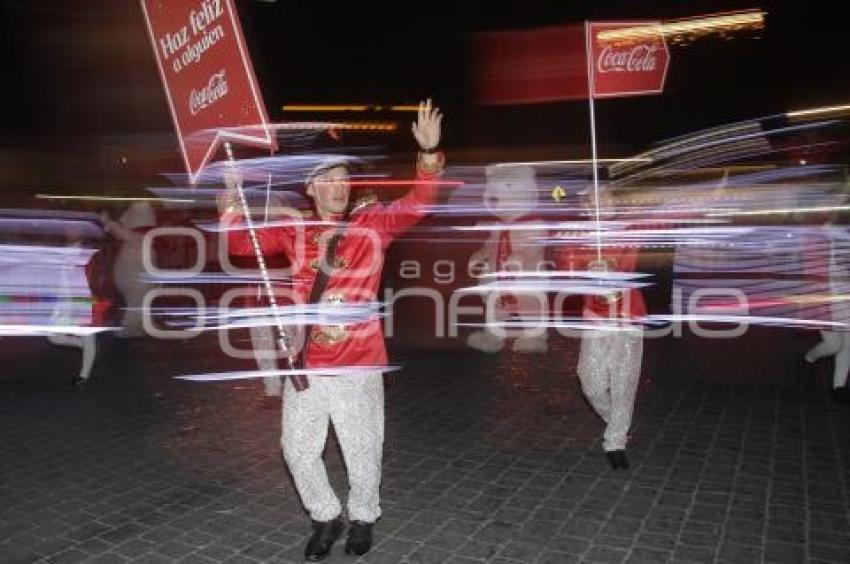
612	346
353	403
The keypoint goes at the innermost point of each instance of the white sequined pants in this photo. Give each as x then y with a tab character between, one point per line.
609	370
87	343
355	406
834	343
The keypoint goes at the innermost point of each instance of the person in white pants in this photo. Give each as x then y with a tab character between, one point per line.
611	352
609	370
836	343
353	402
73	279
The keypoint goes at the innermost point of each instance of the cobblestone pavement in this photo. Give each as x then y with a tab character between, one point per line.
736	457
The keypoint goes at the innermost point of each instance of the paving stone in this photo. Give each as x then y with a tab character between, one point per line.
524	552
399	547
605	554
830	552
478	549
740	554
572	545
641	555
696	554
554	557
426	555
135	547
109	558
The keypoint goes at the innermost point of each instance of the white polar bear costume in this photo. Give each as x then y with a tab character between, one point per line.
511	195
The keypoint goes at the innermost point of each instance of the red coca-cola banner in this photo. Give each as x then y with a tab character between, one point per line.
632	59
529	66
208	77
549	64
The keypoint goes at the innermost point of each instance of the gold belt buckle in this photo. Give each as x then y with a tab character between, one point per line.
614	297
339	263
329	334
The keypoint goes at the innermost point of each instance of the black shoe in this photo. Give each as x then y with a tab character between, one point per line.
359	538
840	395
324	536
617	459
78	382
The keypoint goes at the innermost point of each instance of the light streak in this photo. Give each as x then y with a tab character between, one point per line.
321	372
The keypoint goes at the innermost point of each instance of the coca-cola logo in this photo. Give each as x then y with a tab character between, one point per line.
216	88
635	58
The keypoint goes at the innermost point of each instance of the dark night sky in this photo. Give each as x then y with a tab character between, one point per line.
79	69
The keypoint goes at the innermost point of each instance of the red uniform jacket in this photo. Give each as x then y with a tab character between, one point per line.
619	259
356	274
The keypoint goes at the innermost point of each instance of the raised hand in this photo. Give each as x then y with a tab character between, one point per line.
426	128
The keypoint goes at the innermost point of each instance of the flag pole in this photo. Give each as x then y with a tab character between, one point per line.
595	158
282	337
265	222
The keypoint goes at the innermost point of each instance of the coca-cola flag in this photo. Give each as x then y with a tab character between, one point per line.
632	60
549	64
208	77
